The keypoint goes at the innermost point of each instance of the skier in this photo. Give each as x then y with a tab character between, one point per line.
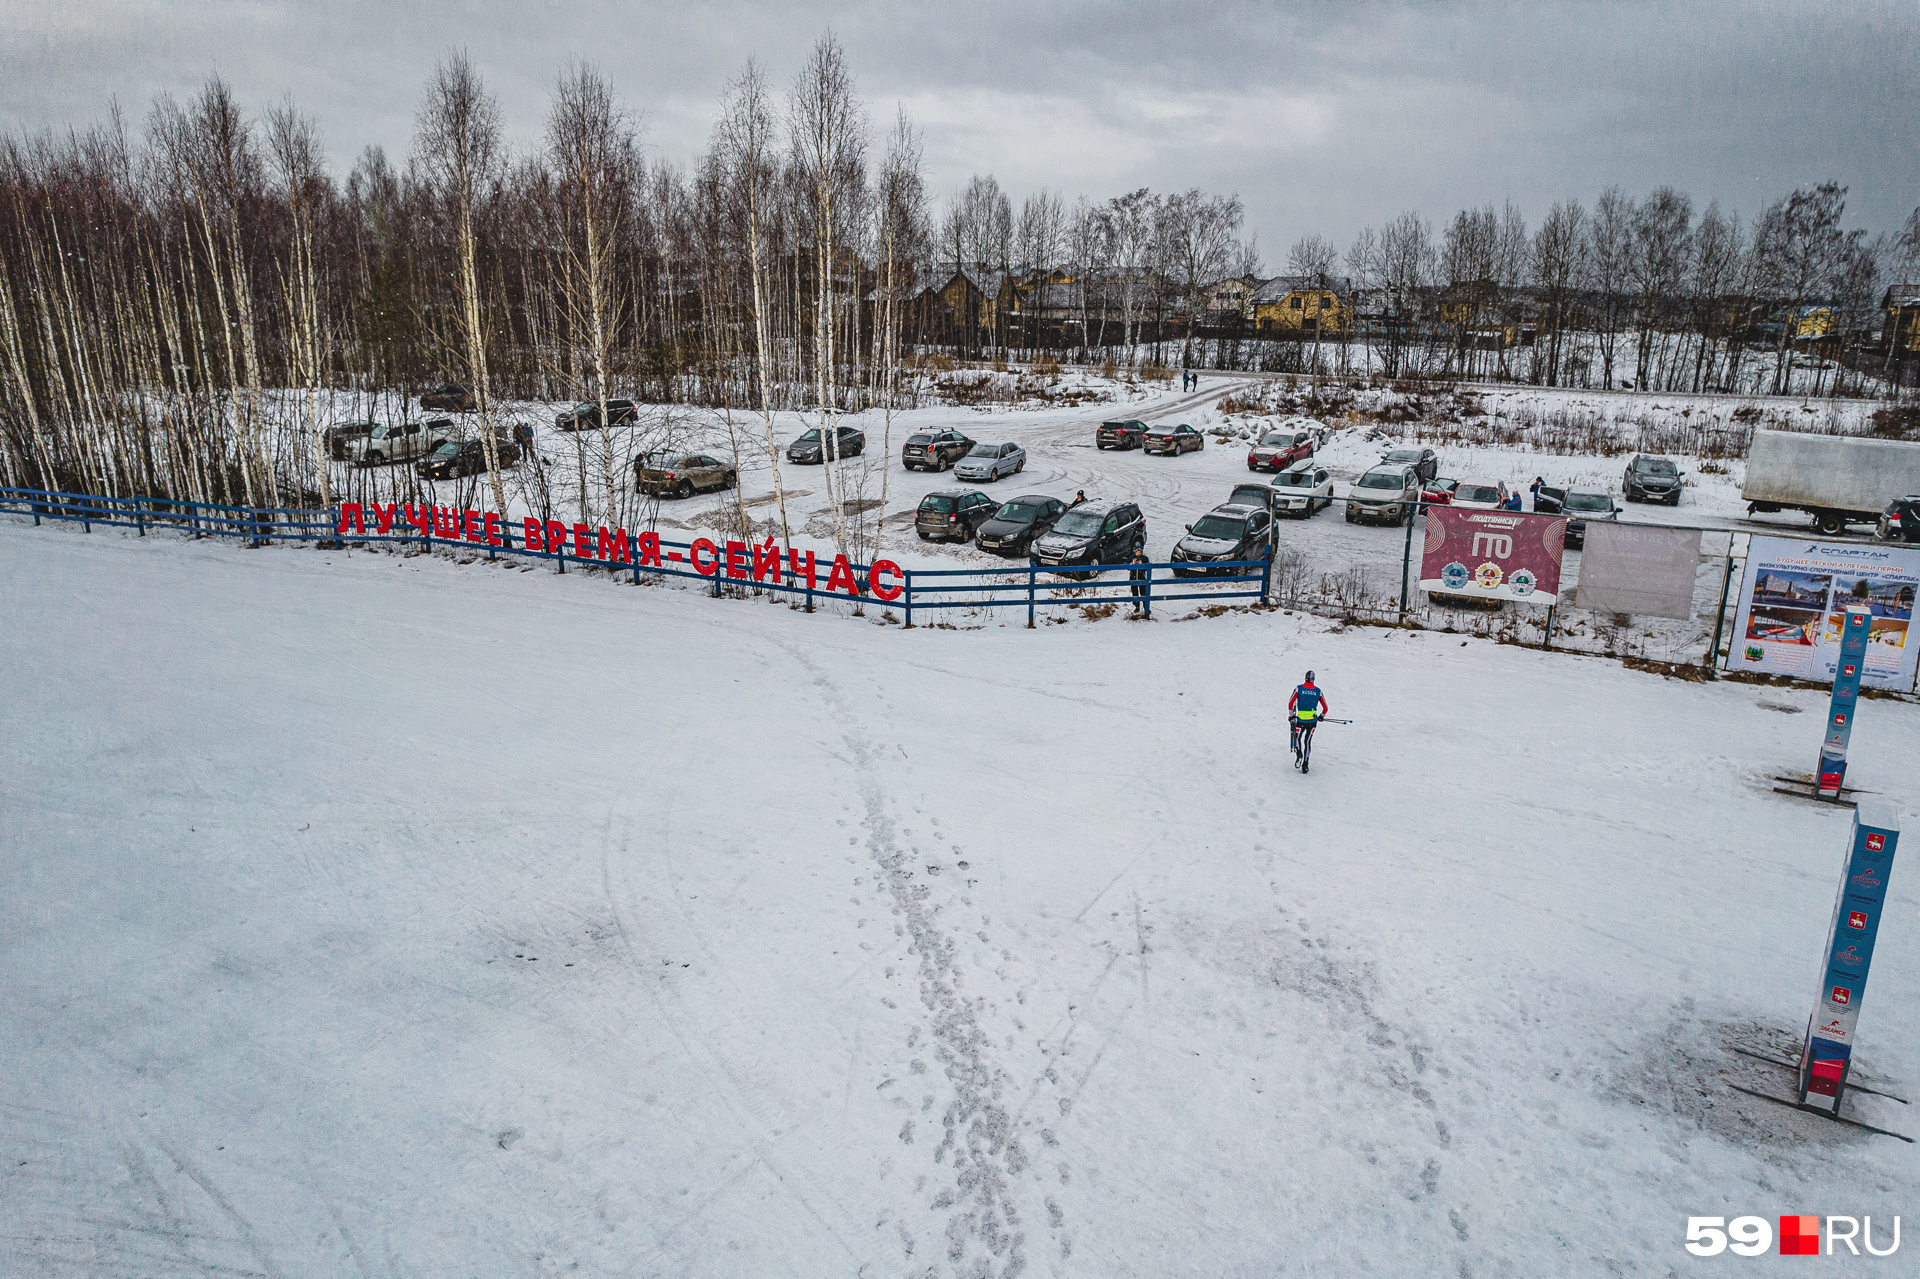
1304	709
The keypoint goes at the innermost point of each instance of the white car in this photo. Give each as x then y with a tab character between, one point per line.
1302	489
402	441
1480	495
988	462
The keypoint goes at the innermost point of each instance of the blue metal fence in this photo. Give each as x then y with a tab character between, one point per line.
728	564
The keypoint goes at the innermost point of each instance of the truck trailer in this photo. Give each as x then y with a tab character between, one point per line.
1837	479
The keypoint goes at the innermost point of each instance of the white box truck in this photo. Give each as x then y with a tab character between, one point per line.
1837	479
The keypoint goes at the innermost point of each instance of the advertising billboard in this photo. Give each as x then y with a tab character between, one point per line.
1791	601
1639	569
1498	555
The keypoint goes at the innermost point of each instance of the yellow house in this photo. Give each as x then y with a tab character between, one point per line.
1297	307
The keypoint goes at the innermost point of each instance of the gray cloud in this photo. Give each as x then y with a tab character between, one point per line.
1322	117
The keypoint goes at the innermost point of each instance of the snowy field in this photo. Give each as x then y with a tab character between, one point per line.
379	916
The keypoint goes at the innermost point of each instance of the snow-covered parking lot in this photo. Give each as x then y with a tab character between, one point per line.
384	916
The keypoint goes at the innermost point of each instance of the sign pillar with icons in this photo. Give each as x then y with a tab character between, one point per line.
1846	694
1827	1054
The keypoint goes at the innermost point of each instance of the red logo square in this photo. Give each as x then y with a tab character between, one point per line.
1856	919
1847	669
1799	1236
1841	995
1876	843
1840	718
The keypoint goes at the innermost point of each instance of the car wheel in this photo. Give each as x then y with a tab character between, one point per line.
685	490
1020	466
1830	525
1349	517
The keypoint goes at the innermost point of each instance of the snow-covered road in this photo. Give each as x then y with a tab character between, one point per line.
390	916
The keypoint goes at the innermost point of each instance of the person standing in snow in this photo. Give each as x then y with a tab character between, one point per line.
1533	490
1304	709
1137	575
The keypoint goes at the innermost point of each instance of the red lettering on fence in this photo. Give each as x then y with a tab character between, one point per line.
842	572
582	542
737	559
793	564
351	511
531	535
446	523
713	562
614	549
648	544
556	537
873	580
493	529
766	562
421	517
470	525
384	514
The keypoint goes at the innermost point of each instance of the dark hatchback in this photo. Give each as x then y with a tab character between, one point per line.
808	448
1012	529
1226	535
934	452
456	458
1120	435
1091	534
1900	522
586	415
953	515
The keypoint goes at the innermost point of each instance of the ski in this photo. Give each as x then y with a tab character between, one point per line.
1824	1114
1794	1066
1818	799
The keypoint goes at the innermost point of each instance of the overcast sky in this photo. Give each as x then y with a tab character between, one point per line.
1322	117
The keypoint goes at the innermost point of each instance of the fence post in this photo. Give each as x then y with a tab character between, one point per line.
86	520
1033	577
1266	574
1720	617
1547	640
139	517
253	516
1146	598
560	556
1406	560
909	599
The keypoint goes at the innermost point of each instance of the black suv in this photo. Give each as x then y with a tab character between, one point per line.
449	396
1011	529
1092	533
848	443
1900	522
1652	479
586	415
946	514
935	452
1120	435
456	458
1226	534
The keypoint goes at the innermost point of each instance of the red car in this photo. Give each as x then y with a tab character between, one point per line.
1438	492
1277	450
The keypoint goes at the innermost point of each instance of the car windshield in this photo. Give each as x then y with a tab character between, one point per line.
584	407
1443	484
1249	495
1588	502
1382	480
448	449
657	461
811	437
936	504
1301	479
985	450
1476	493
1657	466
1404	455
1017	513
1079	523
1220	528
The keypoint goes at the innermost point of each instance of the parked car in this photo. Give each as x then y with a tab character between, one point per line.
1119	435
402	441
339	438
1425	462
1301	490
1385	494
456	458
989	462
1092	533
449	397
1900	522
586	415
934	452
1438	491
949	514
664	472
1172	441
1011	529
1480	495
1224	536
1580	504
1652	479
847	442
1277	450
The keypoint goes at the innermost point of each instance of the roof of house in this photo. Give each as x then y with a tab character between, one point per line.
1901	295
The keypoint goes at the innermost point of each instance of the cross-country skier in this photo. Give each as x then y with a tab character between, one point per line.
1304	709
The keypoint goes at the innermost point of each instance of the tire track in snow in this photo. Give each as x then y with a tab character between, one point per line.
980	1143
